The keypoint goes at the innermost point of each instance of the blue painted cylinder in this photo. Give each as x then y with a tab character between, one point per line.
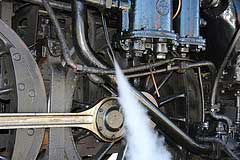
190	23
151	18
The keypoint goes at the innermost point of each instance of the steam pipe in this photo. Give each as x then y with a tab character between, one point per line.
84	51
142	68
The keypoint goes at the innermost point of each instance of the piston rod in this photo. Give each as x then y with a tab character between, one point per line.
88	119
45	120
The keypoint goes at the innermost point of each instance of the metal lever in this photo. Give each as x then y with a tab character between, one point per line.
45	120
93	119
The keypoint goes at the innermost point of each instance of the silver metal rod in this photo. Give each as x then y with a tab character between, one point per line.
44	120
5	90
238	110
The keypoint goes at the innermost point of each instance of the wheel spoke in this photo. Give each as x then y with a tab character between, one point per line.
104	150
164	101
122	152
5	90
3	52
164	81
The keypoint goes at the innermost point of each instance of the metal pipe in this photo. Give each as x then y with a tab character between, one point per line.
84	51
54	4
94	70
238	110
142	68
227	149
202	93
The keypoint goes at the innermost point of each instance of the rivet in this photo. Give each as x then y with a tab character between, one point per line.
31	93
21	86
30	132
17	57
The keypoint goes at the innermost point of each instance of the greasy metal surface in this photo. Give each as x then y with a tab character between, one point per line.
110	120
57	90
61	143
30	92
69	143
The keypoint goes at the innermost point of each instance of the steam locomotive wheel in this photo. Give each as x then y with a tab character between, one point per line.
7	100
22	90
179	100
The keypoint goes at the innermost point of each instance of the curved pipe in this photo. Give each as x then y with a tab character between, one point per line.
84	51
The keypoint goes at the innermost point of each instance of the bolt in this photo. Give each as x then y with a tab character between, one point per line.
100	110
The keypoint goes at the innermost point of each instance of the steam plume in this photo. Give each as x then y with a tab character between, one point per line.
143	143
